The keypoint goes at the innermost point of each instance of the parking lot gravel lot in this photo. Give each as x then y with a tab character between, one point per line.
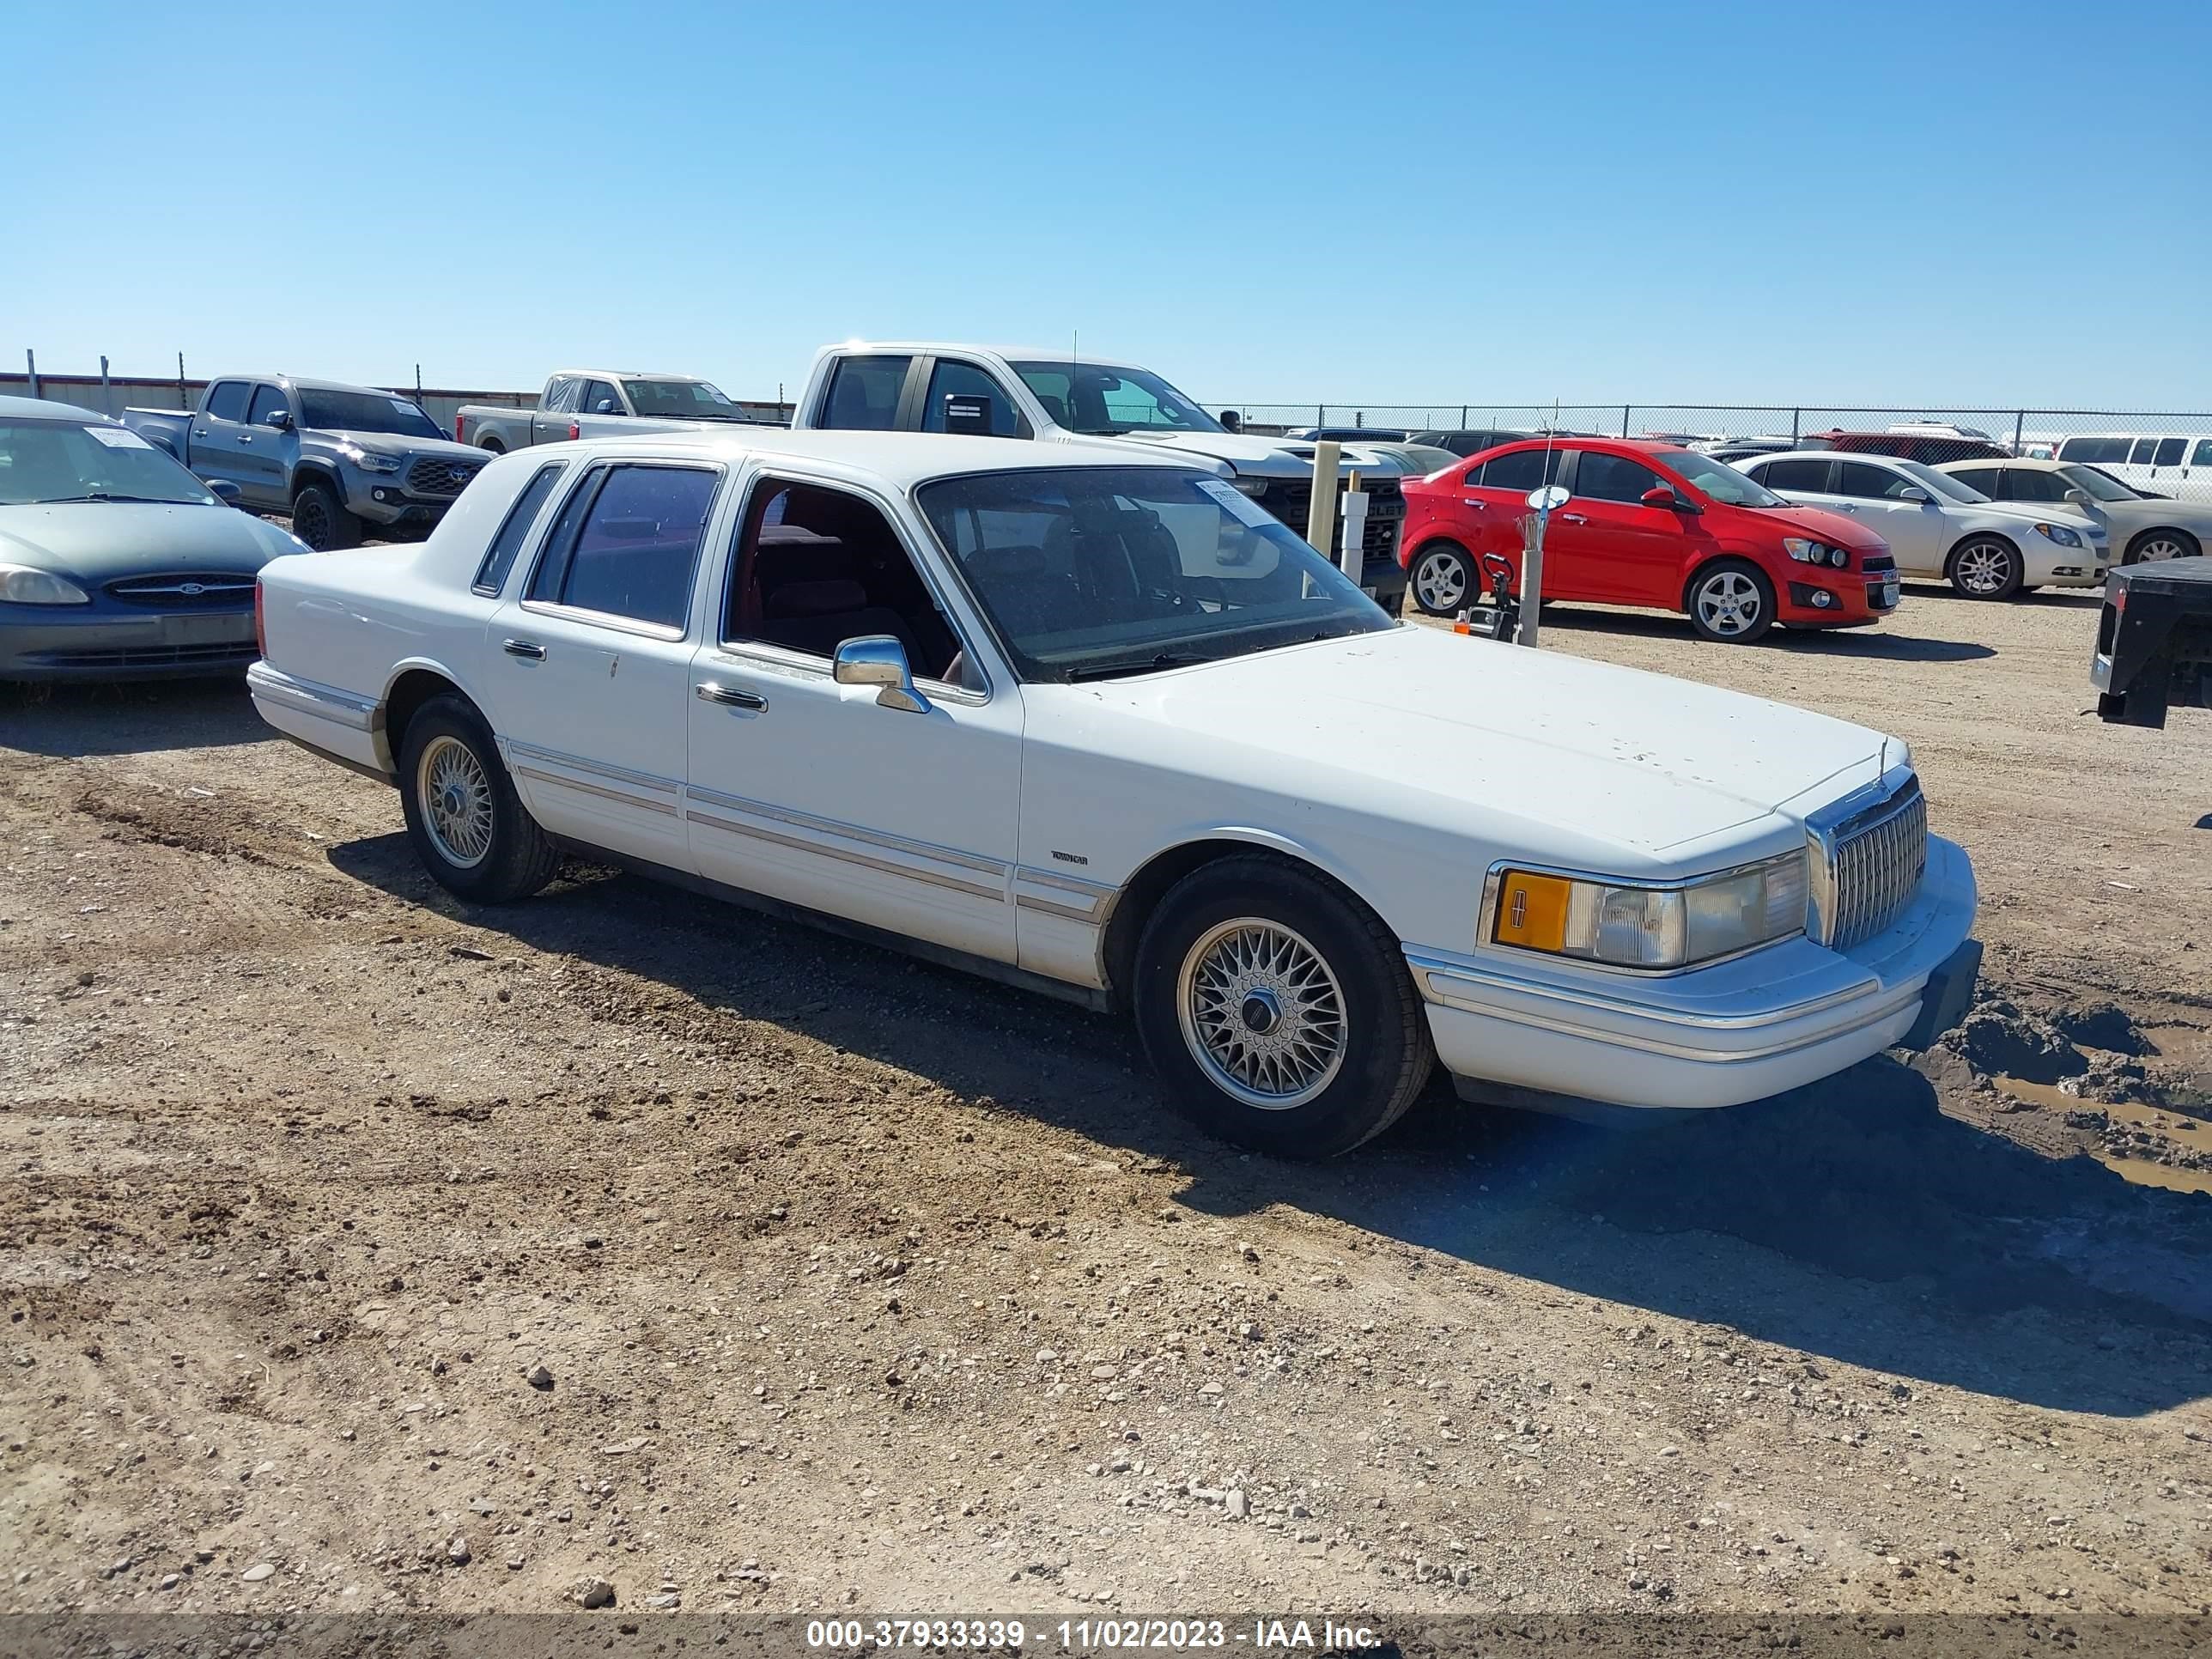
364	1251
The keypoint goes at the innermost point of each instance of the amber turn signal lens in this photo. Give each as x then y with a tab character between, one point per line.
1532	911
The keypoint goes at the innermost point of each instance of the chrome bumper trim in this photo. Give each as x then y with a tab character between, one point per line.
327	703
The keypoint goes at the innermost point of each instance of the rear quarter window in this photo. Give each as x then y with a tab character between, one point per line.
514	529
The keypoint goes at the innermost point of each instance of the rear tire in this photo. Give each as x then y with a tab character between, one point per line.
1441	580
1984	567
1730	602
320	519
1278	1011
2162	544
465	821
492	446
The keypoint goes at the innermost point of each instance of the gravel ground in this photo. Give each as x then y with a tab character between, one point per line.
365	1252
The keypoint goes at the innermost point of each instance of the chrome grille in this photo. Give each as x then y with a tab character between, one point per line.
196	590
429	477
1290	500
1875	867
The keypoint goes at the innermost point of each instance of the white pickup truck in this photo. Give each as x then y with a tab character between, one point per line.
1089	719
1056	396
598	403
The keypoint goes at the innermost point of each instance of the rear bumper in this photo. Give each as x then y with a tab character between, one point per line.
1737	1031
346	728
104	641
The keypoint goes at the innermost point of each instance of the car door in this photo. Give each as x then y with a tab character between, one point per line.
820	794
1610	543
1919	532
217	427
1491	501
588	665
265	452
550	421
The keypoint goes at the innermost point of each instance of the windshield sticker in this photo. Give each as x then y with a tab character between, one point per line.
403	406
1237	505
117	437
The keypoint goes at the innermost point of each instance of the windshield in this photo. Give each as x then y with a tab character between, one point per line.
65	461
326	410
685	400
1092	573
2099	486
1102	402
1720	480
1940	485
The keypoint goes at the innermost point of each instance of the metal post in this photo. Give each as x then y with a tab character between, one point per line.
183	402
1624	420
1795	415
1321	516
106	394
419	383
1353	559
1320	413
2018	422
31	368
1532	574
1463	418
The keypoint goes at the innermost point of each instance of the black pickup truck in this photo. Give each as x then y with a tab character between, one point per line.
2154	642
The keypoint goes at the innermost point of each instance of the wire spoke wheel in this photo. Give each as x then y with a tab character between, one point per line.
1440	581
1728	603
456	799
1262	1013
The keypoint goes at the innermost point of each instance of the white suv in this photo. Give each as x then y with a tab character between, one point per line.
1939	528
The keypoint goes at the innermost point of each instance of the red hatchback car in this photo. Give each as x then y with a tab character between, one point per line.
1645	524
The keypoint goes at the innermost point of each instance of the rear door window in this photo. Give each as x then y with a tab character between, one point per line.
2170	452
864	393
227	401
638	546
2203	456
1810	476
954	379
1523	471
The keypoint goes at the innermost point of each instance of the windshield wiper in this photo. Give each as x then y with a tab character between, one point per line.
1107	671
104	496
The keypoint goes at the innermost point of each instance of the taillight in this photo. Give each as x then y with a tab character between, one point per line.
460	428
260	632
575	431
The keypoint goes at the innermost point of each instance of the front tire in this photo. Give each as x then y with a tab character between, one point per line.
1730	602
1278	1011
1441	580
1984	567
320	519
463	818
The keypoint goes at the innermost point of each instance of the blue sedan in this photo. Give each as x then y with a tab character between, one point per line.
115	562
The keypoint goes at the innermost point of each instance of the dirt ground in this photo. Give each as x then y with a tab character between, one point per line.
360	1251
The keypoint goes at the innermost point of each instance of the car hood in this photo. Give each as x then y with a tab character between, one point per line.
1265	458
1629	772
101	541
2129	517
2016	513
1837	529
394	443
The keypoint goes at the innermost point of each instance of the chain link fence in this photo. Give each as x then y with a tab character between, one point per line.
2021	430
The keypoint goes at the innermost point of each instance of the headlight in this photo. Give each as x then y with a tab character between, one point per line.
369	461
21	584
1634	927
1251	486
1807	552
2059	533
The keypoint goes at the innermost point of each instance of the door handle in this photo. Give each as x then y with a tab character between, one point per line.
1573	518
199	432
1477	505
731	697
526	648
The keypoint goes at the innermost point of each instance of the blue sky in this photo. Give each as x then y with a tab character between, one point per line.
1444	202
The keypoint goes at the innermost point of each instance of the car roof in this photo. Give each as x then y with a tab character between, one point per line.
900	458
1011	354
1621	445
1872	456
2036	461
627	374
303	383
32	409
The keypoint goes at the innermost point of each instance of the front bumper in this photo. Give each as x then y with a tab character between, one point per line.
1739	1031
2045	564
104	641
1835	599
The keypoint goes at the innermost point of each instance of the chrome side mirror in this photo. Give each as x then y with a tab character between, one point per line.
2078	497
879	660
1912	493
279	418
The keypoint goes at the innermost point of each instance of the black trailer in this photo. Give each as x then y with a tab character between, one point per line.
2154	642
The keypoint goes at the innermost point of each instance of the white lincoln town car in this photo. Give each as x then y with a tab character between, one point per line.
1104	727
